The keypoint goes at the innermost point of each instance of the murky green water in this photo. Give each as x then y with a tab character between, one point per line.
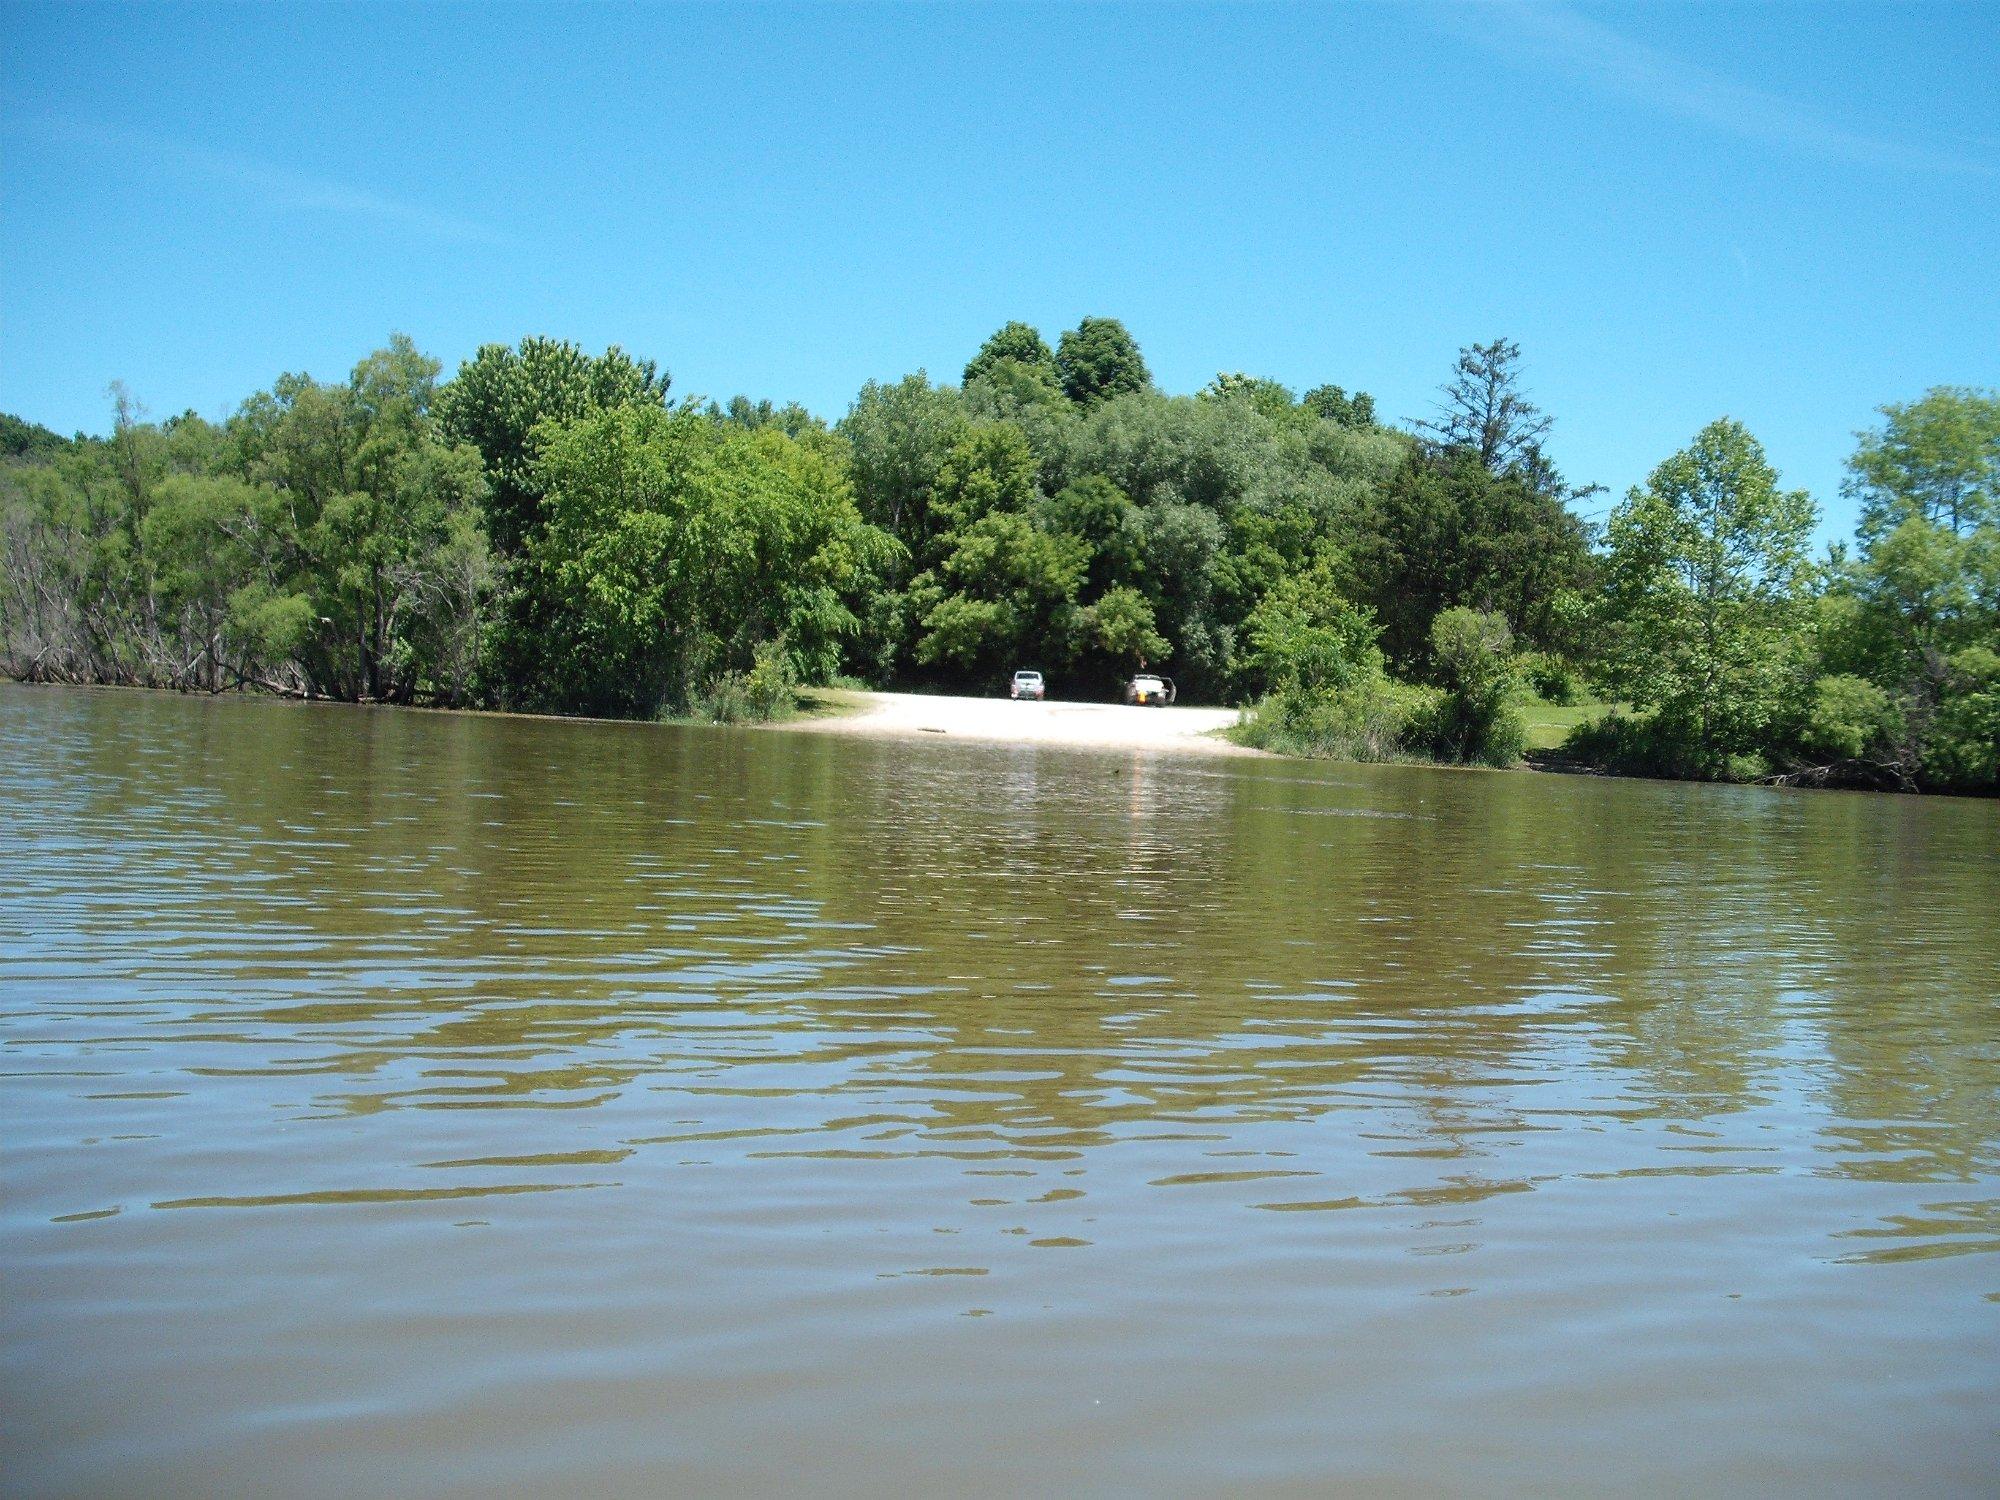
411	1105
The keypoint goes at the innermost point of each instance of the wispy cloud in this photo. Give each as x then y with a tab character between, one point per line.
1559	37
273	186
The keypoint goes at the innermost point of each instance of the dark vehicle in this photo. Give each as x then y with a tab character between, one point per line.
1148	688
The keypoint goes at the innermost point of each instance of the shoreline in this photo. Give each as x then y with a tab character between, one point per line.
866	714
857	712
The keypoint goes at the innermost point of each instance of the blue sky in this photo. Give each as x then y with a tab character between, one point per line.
1788	214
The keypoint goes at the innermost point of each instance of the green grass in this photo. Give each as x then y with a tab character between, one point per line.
829	703
1550	723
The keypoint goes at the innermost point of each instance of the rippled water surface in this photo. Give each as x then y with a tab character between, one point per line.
398	1104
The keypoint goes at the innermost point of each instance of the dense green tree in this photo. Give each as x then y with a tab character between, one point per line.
1275	401
326	541
792	419
1031	400
1446	532
1936	459
1268	397
31	440
220	552
1928	574
1121	626
1960	750
502	394
1184	546
1705	605
675	546
1105	518
1001	584
1332	404
78	603
1845	720
1207	475
384	519
1006	590
1018	344
1920	591
1307	633
899	435
1313	652
1160	449
1097	360
989	469
1913	611
544	531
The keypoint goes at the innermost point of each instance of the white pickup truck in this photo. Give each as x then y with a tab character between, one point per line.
1149	688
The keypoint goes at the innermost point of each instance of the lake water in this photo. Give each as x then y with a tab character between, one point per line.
406	1104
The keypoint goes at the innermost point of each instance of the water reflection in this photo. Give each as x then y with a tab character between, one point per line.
994	951
937	1013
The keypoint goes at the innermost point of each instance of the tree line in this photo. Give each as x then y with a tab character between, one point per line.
551	530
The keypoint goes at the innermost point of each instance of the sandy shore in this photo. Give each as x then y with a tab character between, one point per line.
1001	721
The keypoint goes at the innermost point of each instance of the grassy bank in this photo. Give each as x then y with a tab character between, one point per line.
1549	724
829	703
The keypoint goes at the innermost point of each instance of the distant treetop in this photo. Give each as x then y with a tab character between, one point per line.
24	439
1016	341
1335	405
1098	359
500	395
1485	410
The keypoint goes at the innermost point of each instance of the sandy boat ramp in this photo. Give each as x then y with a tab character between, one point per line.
1001	721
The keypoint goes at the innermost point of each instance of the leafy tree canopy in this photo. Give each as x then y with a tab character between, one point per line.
1308	634
1707	578
898	436
1333	404
1097	360
1444	531
1937	459
1014	343
989	469
545	531
676	545
1268	397
24	439
502	394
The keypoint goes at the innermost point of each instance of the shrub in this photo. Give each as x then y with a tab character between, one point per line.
1330	698
1553	679
1743	765
1656	744
1627	746
1441	728
1365	721
1845	718
1962	751
768	691
1308	638
1474	719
